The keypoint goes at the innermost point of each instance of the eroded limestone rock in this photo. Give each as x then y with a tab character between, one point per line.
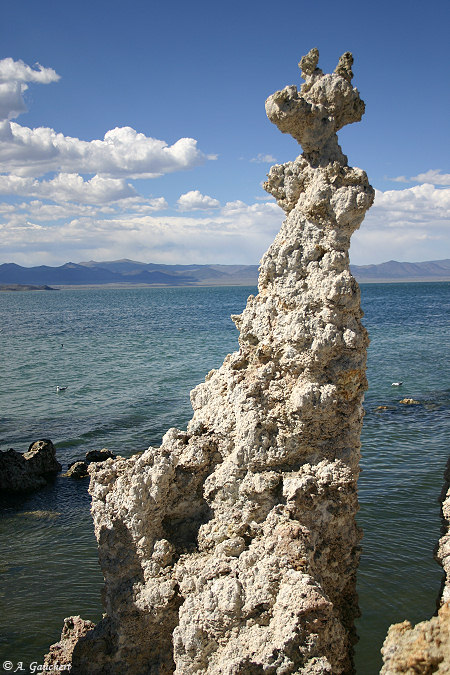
233	547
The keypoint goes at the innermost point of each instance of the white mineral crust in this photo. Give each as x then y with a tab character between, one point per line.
233	547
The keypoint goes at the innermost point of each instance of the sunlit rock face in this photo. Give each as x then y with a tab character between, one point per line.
233	547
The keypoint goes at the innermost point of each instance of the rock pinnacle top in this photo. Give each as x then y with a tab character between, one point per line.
324	104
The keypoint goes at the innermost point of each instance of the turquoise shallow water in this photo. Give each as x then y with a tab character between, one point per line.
129	358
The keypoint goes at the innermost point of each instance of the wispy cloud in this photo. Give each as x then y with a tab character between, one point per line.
432	176
237	232
400	179
264	159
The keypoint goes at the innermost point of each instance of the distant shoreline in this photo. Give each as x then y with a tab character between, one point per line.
116	286
26	287
14	288
406	280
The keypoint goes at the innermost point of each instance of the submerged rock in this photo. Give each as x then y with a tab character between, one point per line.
233	547
48	515
77	470
21	472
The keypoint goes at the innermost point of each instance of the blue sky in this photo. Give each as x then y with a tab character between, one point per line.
142	134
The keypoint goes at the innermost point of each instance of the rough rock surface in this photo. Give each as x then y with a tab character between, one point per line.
60	653
20	472
418	650
443	549
99	455
233	547
77	470
425	648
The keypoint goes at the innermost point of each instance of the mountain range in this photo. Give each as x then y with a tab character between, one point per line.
119	272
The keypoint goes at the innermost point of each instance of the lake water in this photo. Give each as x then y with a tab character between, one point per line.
129	358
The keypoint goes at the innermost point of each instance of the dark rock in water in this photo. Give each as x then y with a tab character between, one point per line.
73	630
99	455
20	472
42	456
77	470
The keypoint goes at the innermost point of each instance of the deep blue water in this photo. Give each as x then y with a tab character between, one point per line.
129	358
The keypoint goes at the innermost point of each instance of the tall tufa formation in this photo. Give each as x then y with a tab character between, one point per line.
233	547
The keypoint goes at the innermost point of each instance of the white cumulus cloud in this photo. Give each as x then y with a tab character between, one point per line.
413	206
18	71
68	187
194	200
123	152
14	76
408	225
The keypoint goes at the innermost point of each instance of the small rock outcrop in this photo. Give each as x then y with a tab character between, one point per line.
60	653
22	472
425	648
233	547
77	470
99	455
